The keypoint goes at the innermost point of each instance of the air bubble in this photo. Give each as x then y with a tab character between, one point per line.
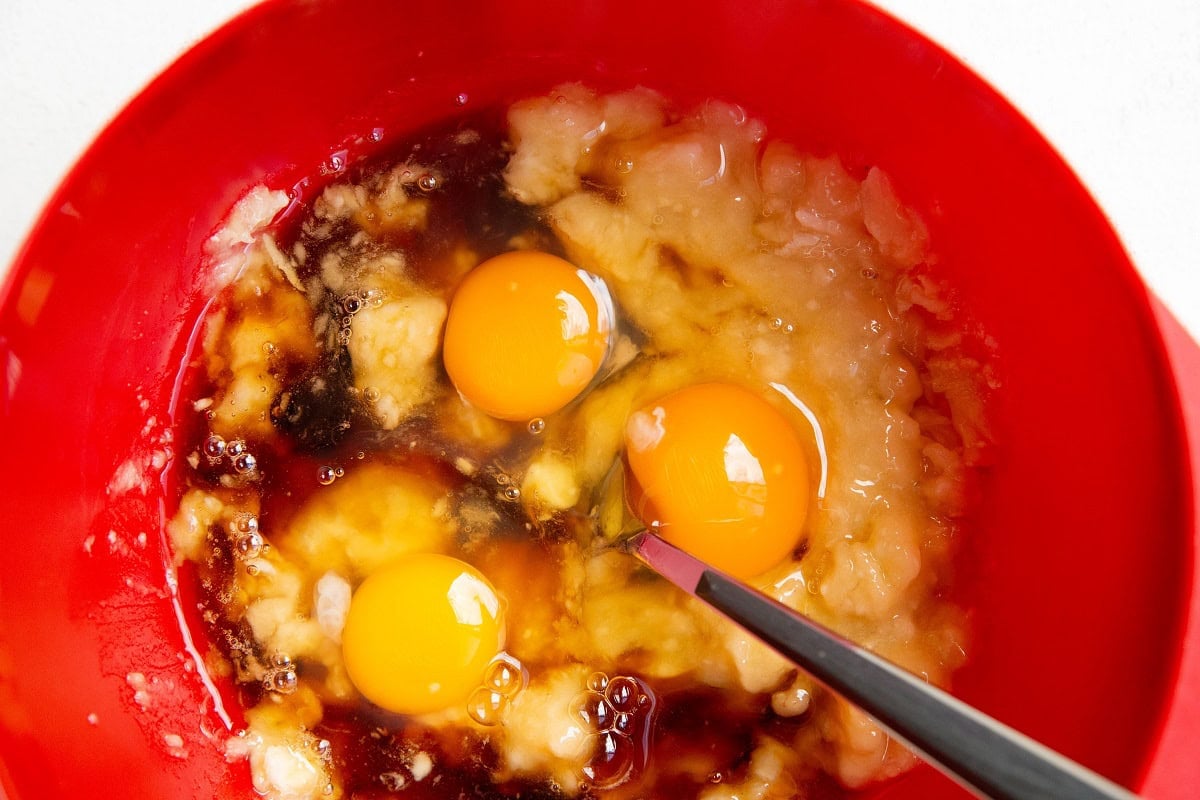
612	761
336	162
339	472
269	348
250	545
281	660
623	724
504	676
283	682
597	681
214	446
657	219
235	448
486	706
624	165
622	693
371	394
776	324
592	710
343	336
245	463
252	569
352	304
461	99
427	182
512	494
246	523
537	425
326	475
869	273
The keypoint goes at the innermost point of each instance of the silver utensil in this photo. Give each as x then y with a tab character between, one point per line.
983	755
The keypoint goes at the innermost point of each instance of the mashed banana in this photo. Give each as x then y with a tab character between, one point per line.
727	256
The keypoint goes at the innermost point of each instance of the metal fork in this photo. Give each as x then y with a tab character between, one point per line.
983	755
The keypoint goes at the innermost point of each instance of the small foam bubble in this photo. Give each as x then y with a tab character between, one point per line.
597	681
486	706
622	693
283	681
250	545
613	759
592	710
505	675
213	447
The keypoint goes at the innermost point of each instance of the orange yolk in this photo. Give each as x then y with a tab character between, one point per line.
526	333
720	473
420	633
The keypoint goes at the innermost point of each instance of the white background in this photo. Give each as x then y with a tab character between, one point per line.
1113	84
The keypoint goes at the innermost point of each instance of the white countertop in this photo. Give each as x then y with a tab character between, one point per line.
1113	84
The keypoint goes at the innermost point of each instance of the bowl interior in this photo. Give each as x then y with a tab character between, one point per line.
1076	569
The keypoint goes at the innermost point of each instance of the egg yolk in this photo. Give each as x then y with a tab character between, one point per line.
525	334
720	473
420	633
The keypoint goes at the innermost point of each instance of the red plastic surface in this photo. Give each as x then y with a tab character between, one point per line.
1079	574
1174	771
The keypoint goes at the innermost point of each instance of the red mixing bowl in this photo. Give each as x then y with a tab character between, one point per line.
1079	575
